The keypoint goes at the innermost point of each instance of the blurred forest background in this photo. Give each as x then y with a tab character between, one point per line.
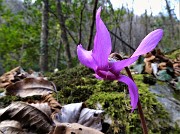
43	35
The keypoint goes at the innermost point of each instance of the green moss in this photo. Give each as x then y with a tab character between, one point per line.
7	100
1	90
173	54
78	84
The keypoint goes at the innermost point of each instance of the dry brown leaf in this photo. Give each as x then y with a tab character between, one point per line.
30	87
148	68
43	107
10	123
12	76
77	113
162	66
91	118
55	106
149	57
30	117
11	127
70	113
11	130
74	128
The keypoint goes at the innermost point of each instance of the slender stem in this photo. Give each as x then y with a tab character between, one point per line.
143	122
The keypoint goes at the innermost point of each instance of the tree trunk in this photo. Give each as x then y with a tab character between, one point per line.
92	25
170	17
44	37
57	55
64	33
146	23
130	28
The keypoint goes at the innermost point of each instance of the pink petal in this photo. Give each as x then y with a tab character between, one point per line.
149	42
86	58
147	45
102	43
106	75
98	77
133	90
117	66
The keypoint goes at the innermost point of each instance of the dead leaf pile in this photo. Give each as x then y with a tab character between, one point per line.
156	61
15	75
43	115
163	68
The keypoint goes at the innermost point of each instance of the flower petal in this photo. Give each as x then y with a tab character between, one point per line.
149	42
98	77
106	75
117	66
102	43
133	90
147	45
86	58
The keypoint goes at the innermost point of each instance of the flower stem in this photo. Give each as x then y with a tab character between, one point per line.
143	122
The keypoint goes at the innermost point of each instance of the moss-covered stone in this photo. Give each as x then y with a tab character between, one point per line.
78	84
174	54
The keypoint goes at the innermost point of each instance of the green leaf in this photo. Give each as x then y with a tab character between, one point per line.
163	75
139	68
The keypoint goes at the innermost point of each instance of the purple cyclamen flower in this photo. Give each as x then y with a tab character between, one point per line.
97	59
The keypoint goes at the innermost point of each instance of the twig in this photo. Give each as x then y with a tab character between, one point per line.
92	26
80	28
71	36
122	40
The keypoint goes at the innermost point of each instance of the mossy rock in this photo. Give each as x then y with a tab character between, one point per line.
78	84
173	54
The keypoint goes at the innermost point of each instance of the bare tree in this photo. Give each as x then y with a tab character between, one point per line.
130	17
44	37
169	10
64	33
92	25
81	18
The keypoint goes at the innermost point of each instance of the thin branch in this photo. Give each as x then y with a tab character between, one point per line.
122	40
114	45
80	28
71	36
54	14
92	26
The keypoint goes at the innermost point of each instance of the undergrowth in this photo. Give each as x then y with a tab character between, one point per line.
78	84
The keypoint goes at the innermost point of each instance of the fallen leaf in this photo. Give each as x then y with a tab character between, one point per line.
31	118
30	87
74	128
12	76
91	118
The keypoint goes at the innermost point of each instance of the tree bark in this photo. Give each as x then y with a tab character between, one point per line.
64	33
57	56
146	22
170	17
81	18
130	16
92	25
44	37
131	48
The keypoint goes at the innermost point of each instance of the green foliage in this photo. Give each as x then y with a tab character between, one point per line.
20	35
7	100
78	84
174	54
